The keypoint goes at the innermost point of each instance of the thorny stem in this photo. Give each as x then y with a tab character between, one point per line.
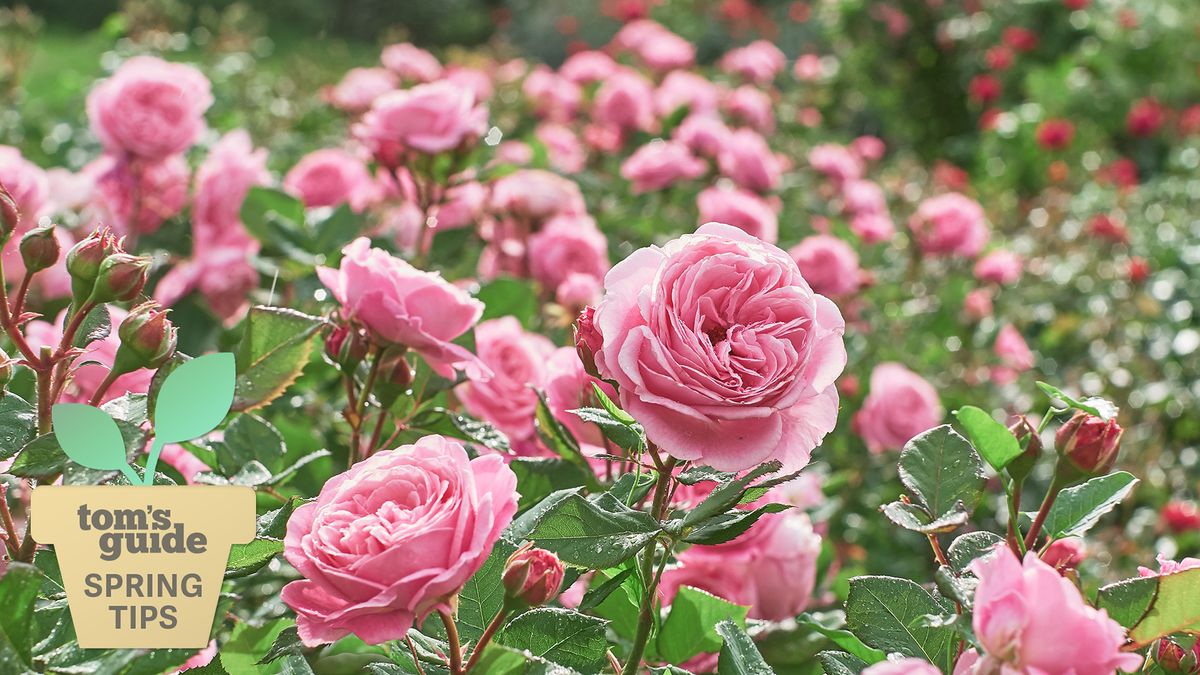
10	542
455	648
658	509
22	292
1036	528
484	639
9	322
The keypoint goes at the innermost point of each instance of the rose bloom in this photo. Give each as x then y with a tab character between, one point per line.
567	245
705	136
749	162
29	186
1168	566
149	108
220	271
1064	554
829	264
666	51
331	177
625	101
977	304
807	68
579	290
394	539
1106	227
1012	350
1181	516
360	87
588	66
984	89
740	208
999	57
721	349
905	666
899	406
836	162
535	194
1145	118
97	358
563	148
231	168
429	118
1055	134
1020	39
681	88
759	62
863	196
411	63
157	191
1030	619
658	165
517	359
951	225
753	107
514	152
472	79
554	98
999	267
868	148
872	228
403	305
569	387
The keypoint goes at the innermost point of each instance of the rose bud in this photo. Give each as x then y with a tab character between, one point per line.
588	340
1174	659
1030	442
84	260
532	576
1089	443
346	346
39	249
10	215
122	276
1180	516
147	338
1064	554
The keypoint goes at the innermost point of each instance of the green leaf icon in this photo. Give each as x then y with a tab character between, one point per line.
195	398
91	438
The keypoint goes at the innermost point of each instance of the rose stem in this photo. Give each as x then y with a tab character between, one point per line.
484	639
646	616
1036	528
416	660
454	647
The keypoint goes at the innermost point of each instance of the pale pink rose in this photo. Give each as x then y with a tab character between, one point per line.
404	223
359	88
535	194
681	88
403	305
69	191
136	197
579	290
517	360
411	63
588	66
1012	349
977	304
999	267
740	208
863	197
603	138
807	68
462	206
759	62
331	177
569	387
666	51
899	406
1168	566
753	107
232	167
567	245
772	568
27	183
659	164
625	101
634	33
829	264
868	148
97	359
472	79
873	228
1030	619
563	148
394	539
554	98
748	161
429	118
906	666
951	225
836	162
514	152
149	108
809	116
721	349
221	272
703	135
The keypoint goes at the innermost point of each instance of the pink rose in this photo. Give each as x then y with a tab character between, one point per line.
578	290
517	153
588	66
149	108
872	228
222	274
900	405
1012	349
360	87
567	245
554	98
721	349
569	387
1168	566
807	68
999	267
27	183
517	359
473	80
748	161
907	666
136	197
753	107
535	194
681	88
828	264
401	304
665	51
868	148
394	539
563	148
659	164
429	118
97	358
836	162
331	177
977	304
204	656
950	224
1030	619
462	206
625	101
863	197
703	135
759	62
1064	554
411	63
740	208
232	167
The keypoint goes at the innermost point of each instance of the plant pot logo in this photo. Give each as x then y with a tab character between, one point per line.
143	564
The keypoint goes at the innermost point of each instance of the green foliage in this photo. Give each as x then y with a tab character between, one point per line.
942	470
593	534
891	614
273	352
690	628
560	636
1077	509
994	442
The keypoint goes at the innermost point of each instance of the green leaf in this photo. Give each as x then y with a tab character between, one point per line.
842	638
90	437
701	474
839	663
250	437
96	326
586	534
917	519
41	457
246	559
457	425
248	644
595	596
483	594
627	436
960	589
1128	601
1077	509
286	643
611	407
506	296
890	614
18	424
1102	408
994	442
729	494
738	655
18	592
729	526
272	354
941	468
1176	608
690	628
537	477
968	547
559	635
560	441
194	398
500	660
